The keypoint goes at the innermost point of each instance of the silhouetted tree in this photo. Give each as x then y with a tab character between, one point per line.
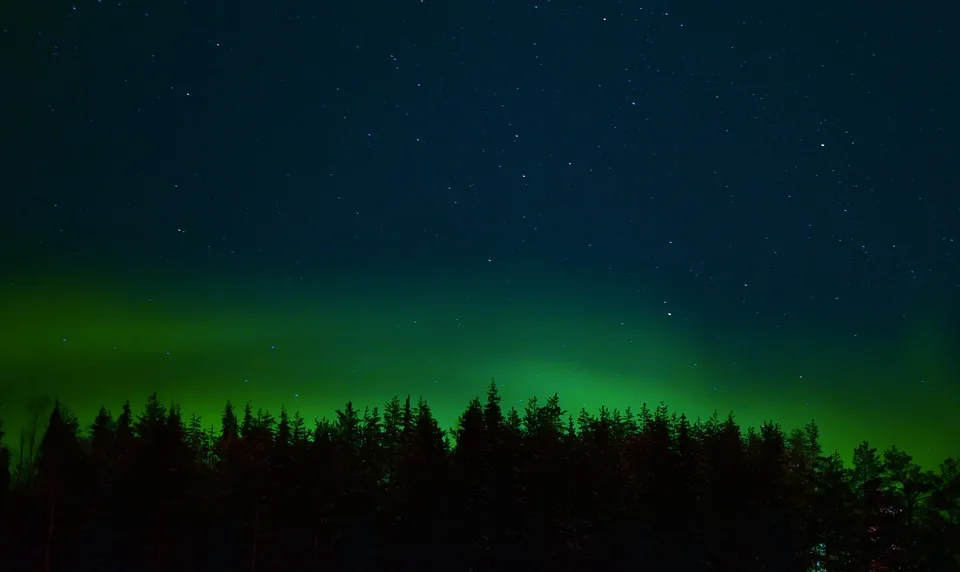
102	436
228	424
299	435
866	470
392	424
504	489
348	428
418	490
38	409
371	448
472	485
200	442
150	423
470	431
248	422
124	430
940	541
283	439
60	466
4	466
492	413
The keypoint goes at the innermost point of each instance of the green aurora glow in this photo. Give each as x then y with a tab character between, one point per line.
311	344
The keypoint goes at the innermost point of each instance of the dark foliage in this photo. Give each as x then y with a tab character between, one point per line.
390	490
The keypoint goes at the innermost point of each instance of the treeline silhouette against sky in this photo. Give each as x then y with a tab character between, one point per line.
534	488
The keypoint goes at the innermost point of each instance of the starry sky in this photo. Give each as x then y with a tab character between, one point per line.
747	206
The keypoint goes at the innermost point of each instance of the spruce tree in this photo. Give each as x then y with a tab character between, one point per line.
60	470
470	432
284	437
124	429
228	424
492	412
151	422
348	427
102	435
392	423
865	473
248	423
299	434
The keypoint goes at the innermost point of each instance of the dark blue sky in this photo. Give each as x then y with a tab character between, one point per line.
793	161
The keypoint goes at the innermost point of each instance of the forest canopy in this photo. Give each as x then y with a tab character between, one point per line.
391	490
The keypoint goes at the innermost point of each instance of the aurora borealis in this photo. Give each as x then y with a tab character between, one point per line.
311	345
300	209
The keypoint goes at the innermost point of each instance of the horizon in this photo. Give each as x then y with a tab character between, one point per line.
336	338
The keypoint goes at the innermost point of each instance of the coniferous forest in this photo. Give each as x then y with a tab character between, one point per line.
539	489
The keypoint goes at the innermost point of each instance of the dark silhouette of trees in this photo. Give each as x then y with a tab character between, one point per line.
26	467
60	480
5	477
537	488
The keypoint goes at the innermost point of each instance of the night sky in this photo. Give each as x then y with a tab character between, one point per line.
747	206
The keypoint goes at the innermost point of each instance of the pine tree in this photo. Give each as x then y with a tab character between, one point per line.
631	427
102	435
551	416
906	483
281	455
38	413
248	422
59	465
531	416
811	440
124	429
150	423
470	432
429	435
684	437
945	501
392	414
471	464
834	526
570	432
265	421
284	437
324	432
229	429
60	449
298	428
406	420
371	436
194	426
348	427
866	469
660	428
645	418
174	423
103	445
513	424
492	413
198	440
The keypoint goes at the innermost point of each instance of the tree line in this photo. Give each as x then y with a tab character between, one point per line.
391	490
